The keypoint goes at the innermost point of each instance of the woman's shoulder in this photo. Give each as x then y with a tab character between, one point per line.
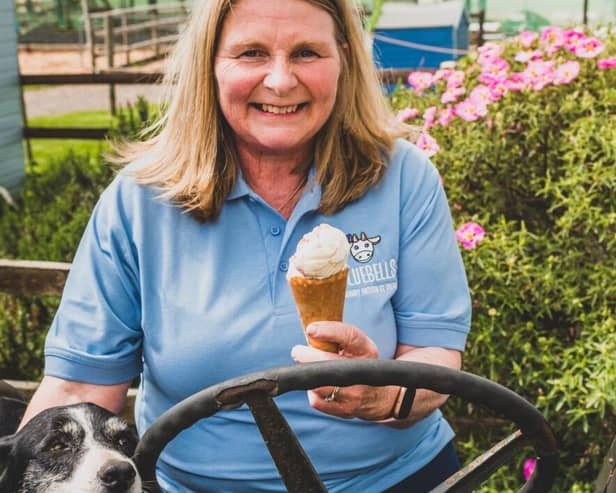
411	165
126	193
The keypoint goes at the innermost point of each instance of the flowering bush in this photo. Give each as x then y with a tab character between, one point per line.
524	135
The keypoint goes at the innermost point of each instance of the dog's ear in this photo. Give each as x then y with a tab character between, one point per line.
11	413
7	463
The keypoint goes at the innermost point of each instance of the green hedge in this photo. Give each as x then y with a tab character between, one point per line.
536	172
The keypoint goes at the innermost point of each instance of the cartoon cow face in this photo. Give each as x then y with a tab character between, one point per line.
362	248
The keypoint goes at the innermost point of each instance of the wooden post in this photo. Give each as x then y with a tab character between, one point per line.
89	32
154	18
125	36
482	17
108	23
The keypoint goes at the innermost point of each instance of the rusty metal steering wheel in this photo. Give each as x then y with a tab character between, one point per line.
257	390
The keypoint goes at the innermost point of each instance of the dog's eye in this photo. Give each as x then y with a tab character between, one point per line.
122	441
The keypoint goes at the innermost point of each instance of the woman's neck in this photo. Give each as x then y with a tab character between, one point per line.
279	180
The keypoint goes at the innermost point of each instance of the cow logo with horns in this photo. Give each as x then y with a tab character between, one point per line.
362	247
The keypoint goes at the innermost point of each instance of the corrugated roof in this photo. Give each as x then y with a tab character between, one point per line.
396	15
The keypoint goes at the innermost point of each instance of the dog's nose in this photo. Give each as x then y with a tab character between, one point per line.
116	475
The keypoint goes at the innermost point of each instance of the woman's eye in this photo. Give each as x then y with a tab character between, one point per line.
306	53
251	54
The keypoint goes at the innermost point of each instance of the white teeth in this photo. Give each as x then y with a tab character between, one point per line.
279	110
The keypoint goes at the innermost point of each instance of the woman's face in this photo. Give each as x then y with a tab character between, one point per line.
276	68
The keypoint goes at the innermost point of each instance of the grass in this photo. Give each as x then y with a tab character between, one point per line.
35	87
83	119
46	150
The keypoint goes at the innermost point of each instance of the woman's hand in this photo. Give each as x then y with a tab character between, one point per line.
357	401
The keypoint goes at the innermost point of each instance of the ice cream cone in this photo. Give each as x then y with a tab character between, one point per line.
320	299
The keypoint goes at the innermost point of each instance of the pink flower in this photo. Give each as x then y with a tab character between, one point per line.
498	90
542	80
451	95
455	79
429	113
442	73
527	38
480	95
445	116
516	82
527	56
528	468
427	144
589	48
420	81
407	114
607	62
566	72
489	50
538	67
470	110
469	234
553	39
538	74
573	38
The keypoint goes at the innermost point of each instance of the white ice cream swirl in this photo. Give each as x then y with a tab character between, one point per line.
320	253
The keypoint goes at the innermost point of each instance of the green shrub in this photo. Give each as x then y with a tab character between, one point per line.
46	223
537	173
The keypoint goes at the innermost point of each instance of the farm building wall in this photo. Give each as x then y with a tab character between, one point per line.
11	122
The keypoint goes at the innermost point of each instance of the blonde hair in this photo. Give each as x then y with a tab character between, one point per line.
191	158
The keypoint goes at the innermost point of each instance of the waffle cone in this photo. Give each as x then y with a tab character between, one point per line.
320	299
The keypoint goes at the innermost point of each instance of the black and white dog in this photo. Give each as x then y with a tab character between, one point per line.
67	449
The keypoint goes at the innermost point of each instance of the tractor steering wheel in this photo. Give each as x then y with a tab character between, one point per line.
257	390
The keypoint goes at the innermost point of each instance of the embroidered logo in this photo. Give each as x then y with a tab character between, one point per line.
362	247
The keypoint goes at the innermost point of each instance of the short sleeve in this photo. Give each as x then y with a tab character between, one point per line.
432	303
95	336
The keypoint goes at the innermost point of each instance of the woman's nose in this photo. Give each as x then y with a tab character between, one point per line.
280	78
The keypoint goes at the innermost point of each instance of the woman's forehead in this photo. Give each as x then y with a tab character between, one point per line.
263	13
271	21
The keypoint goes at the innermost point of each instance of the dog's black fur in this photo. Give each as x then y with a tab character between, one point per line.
81	447
12	407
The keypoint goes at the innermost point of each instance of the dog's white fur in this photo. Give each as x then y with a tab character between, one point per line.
85	477
94	456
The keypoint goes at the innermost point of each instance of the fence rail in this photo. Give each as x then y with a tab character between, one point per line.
153	28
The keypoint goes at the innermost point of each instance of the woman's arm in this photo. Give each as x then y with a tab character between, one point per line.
58	392
425	401
363	401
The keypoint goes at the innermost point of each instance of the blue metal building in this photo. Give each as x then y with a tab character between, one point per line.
420	35
11	151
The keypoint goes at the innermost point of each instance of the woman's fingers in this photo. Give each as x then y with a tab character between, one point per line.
307	354
353	342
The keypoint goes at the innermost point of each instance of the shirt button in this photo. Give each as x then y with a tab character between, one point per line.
275	230
284	266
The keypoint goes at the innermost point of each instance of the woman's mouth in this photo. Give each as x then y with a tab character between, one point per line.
279	110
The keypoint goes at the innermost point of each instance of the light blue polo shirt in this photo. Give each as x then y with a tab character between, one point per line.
188	305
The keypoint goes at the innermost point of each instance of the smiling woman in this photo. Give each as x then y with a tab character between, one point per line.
274	122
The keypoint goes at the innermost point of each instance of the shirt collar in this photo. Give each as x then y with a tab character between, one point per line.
310	197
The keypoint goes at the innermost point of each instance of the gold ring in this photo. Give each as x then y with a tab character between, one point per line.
332	397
